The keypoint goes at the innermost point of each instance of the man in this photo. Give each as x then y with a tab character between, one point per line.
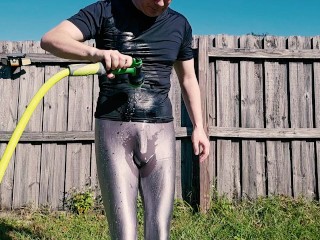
135	139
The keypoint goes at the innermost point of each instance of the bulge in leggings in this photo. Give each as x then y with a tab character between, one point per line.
134	156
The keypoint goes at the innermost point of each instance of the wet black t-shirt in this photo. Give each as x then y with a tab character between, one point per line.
158	41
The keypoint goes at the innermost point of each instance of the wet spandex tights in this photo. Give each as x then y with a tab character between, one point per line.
132	156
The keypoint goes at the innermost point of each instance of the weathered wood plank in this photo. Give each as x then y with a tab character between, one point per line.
316	74
182	132
206	78
175	98
252	110
79	118
206	167
94	181
211	100
265	133
228	162
28	156
303	54
267	54
277	117
53	154
301	115
9	92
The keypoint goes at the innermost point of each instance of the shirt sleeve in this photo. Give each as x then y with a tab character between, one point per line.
89	19
186	52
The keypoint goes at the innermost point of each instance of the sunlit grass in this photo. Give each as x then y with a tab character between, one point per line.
265	218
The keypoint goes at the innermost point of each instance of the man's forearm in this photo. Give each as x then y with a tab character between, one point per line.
66	41
192	99
69	48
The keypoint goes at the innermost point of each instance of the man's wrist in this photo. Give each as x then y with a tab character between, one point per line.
198	126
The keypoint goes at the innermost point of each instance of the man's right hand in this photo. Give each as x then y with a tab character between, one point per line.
113	60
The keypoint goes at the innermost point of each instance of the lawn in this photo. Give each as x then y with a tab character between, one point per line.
265	218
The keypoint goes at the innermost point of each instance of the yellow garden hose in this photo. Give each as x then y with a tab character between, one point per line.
72	70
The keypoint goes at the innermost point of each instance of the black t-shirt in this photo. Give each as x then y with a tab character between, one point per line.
158	41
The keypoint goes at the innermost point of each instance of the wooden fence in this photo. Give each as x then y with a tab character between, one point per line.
261	106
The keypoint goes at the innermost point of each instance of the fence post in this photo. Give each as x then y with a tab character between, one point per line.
205	176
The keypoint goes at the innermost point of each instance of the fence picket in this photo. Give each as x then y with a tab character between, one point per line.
316	74
79	118
277	116
94	182
301	115
27	165
228	160
252	109
9	92
53	155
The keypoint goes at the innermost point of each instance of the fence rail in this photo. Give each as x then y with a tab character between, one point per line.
261	106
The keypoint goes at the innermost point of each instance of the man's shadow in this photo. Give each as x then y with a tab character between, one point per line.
6	229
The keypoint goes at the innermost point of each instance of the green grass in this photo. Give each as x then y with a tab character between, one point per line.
266	218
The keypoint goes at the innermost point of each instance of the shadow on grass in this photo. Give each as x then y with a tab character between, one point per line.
8	232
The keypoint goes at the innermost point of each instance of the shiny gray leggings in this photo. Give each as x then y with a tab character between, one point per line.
134	156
